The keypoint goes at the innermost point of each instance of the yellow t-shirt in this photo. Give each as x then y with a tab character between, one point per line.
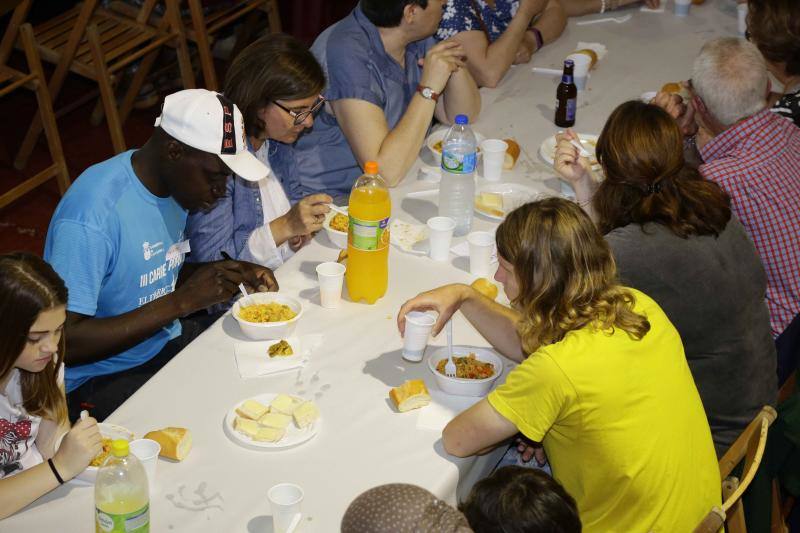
622	424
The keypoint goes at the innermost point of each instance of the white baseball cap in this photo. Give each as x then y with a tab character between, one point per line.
212	123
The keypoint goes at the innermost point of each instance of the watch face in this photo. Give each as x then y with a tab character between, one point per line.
427	92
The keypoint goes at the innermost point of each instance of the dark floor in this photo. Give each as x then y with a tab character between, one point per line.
23	224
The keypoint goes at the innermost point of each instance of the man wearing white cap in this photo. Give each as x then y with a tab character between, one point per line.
117	239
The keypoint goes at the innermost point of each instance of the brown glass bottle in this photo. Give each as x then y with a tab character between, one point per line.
566	97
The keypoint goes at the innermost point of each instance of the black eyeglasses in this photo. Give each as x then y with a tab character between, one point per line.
300	117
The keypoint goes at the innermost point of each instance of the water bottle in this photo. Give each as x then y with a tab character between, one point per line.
457	188
121	497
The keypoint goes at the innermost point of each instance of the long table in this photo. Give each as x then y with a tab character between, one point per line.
363	442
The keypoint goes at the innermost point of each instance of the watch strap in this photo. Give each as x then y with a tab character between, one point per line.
421	89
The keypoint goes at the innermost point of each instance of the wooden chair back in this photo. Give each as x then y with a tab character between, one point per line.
749	447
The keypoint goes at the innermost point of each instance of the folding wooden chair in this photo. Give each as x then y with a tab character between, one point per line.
748	447
12	79
204	28
98	44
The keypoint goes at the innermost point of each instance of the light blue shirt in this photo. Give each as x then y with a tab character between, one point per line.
111	240
356	66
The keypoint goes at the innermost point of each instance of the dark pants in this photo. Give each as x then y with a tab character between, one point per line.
788	346
101	395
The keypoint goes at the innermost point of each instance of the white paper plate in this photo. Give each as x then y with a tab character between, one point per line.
293	436
253	360
514	195
111	431
547	151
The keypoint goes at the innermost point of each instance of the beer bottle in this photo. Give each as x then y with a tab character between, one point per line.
566	97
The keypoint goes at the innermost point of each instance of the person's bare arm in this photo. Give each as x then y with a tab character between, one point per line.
477	430
551	23
461	97
489	62
367	131
497	323
91	339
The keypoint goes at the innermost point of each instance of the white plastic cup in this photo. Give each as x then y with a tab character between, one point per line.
415	339
285	501
147	450
440	234
481	246
741	11
682	7
494	155
581	71
331	276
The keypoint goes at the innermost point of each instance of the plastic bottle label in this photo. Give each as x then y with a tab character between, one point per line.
369	235
135	522
458	163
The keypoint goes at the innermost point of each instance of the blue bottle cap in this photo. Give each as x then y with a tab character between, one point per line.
569	63
462	119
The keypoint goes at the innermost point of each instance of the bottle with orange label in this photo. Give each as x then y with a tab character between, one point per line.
367	272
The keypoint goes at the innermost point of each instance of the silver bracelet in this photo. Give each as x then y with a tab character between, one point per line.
602	6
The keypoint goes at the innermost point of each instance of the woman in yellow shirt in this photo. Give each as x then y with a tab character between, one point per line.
606	388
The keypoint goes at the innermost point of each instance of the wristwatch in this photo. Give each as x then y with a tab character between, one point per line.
428	93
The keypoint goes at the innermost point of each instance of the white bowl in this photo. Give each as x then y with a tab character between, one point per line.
463	386
438	135
268	330
110	431
339	238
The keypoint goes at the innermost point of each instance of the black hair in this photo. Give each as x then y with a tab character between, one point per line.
515	499
388	13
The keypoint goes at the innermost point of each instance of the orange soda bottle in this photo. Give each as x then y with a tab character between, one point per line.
367	272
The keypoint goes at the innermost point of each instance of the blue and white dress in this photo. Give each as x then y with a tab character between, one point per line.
461	15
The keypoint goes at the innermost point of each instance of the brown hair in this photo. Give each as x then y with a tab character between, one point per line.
648	180
274	67
774	27
566	274
28	286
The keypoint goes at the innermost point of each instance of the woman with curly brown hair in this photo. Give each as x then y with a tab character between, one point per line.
603	382
674	237
774	27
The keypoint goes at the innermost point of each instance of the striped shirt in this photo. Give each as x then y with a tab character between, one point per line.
757	162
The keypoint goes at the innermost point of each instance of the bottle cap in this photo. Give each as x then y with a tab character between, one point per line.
462	119
119	448
370	167
569	63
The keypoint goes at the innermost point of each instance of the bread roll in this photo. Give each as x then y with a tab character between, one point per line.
512	154
591	53
485	287
412	394
176	443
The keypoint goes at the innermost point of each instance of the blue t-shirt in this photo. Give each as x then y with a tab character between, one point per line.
109	240
356	66
461	15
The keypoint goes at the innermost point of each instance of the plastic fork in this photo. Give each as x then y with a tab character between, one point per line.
450	367
245	296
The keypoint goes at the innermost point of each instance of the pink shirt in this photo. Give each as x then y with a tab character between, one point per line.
757	162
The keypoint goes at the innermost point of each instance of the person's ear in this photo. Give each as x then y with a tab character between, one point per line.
175	150
410	13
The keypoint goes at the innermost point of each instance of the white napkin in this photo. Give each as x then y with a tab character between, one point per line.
442	409
405	235
253	360
462	250
599	49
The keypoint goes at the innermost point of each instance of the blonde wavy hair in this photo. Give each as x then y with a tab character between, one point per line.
566	274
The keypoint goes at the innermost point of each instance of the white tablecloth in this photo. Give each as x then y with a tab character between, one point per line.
363	442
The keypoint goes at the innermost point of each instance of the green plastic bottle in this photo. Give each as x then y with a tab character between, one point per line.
121	497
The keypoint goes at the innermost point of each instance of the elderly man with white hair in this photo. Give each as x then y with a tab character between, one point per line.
754	155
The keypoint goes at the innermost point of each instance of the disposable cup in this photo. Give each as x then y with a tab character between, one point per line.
331	276
418	330
494	155
285	500
481	246
147	450
581	70
741	11
440	234
682	7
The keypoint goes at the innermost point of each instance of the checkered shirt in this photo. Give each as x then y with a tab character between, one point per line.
757	162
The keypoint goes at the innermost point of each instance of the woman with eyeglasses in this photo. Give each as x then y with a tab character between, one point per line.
276	83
